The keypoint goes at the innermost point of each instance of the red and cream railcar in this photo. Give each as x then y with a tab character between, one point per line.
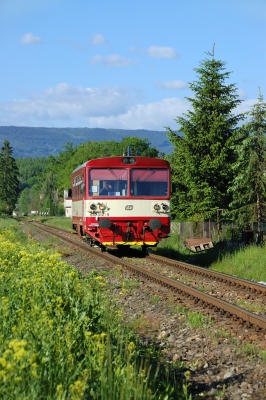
122	201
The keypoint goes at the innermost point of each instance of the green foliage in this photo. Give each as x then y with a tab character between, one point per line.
139	147
197	320
249	185
49	194
9	180
32	172
203	156
61	166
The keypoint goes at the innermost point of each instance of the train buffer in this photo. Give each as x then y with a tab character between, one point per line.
199	244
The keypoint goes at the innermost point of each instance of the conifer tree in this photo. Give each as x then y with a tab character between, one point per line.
203	156
249	184
9	179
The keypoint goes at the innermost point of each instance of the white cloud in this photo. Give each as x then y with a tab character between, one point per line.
98	39
29	39
107	107
245	106
241	93
112	60
172	85
162	52
65	102
152	116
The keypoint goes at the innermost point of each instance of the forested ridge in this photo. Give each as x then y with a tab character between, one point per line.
218	156
41	142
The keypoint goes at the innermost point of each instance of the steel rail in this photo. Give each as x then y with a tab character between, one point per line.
219	276
222	306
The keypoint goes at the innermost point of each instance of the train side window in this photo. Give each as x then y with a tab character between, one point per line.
82	188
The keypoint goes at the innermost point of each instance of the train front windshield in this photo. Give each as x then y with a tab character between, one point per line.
151	182
108	182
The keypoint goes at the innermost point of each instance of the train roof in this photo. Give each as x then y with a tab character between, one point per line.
117	161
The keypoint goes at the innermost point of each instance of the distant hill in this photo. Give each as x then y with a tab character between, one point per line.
41	142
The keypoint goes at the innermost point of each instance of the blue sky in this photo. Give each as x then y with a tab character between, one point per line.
119	63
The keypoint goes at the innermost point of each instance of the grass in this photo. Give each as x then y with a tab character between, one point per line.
248	262
155	299
128	284
61	222
197	320
253	307
12	224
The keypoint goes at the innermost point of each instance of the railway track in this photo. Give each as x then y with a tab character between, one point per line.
246	294
231	280
237	319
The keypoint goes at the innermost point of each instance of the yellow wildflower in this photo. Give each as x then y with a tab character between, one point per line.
77	390
3	362
98	278
187	375
131	347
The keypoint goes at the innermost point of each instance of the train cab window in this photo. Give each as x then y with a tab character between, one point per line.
108	182
149	182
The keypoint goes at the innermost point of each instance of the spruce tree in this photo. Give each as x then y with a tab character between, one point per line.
203	155
249	184
9	179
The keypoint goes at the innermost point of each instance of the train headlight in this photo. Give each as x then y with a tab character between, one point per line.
101	206
165	207
129	160
93	207
156	207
